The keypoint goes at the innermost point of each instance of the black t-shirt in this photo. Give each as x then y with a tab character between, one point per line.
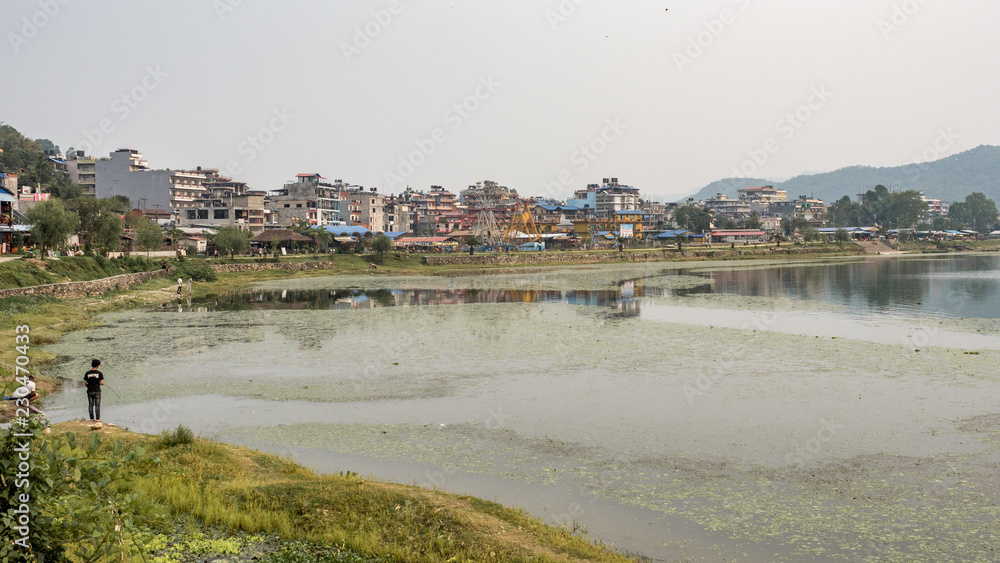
93	379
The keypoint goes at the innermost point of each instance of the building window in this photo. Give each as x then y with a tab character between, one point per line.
298	205
203	214
287	206
191	215
222	214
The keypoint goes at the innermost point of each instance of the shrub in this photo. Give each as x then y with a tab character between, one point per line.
79	506
197	272
180	436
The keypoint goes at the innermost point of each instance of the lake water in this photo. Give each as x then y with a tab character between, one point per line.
834	410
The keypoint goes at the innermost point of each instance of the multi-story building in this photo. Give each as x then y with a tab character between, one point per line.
83	170
763	194
613	196
428	210
723	205
654	213
371	210
935	207
811	209
632	218
126	173
585	200
203	198
494	194
397	215
308	198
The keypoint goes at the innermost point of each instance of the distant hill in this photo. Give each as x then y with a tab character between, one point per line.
949	179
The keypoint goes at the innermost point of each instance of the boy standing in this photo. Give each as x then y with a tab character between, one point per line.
93	379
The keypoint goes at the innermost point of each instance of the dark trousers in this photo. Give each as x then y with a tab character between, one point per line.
94	404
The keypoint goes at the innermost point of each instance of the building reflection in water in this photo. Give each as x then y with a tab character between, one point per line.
625	300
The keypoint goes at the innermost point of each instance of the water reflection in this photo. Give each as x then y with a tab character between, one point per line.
624	300
956	286
952	286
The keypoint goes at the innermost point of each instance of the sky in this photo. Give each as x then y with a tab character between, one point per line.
543	96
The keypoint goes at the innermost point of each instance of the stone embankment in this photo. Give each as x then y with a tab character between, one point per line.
70	290
520	258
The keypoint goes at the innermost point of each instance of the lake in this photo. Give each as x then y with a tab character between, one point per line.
822	410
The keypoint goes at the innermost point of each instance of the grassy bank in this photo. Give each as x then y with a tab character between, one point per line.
254	501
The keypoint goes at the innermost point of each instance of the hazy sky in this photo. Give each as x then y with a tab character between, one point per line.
543	96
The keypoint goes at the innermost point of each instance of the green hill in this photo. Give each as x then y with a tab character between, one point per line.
949	179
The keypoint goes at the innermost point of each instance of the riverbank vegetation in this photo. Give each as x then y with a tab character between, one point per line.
191	499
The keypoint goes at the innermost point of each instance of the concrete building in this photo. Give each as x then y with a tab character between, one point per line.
763	194
723	205
307	198
82	170
126	173
613	196
398	216
370	208
811	209
203	198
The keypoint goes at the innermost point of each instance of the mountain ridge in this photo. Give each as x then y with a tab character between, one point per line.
949	179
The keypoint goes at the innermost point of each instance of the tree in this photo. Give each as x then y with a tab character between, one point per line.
790	225
233	240
51	223
842	236
381	244
810	234
977	212
692	218
107	233
64	188
753	222
473	241
88	211
148	235
902	210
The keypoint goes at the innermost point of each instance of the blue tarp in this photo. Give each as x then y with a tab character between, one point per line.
671	234
356	230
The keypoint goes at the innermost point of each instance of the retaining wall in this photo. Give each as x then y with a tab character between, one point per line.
70	290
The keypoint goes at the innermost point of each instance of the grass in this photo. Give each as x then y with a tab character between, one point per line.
249	493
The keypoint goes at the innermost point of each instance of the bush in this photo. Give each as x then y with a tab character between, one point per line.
80	505
182	435
197	272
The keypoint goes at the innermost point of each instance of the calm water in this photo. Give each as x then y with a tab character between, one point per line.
819	411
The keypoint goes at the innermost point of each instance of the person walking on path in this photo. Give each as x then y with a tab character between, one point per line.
180	286
93	379
190	280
